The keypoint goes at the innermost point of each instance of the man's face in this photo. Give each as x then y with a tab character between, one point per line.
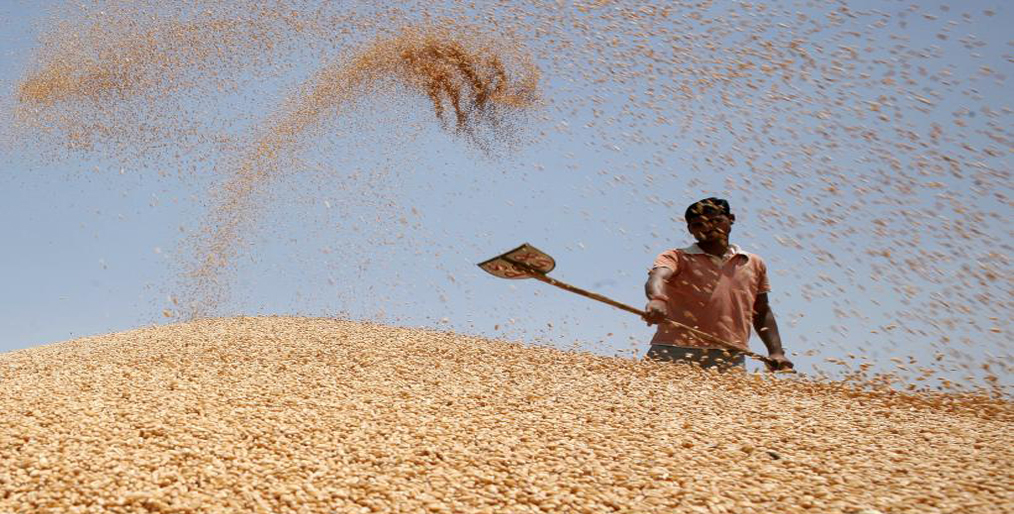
711	225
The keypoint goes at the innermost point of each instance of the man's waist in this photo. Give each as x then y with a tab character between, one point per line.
687	339
683	344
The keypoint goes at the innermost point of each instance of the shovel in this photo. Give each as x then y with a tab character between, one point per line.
526	261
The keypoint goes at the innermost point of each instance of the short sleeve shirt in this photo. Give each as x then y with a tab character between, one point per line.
712	294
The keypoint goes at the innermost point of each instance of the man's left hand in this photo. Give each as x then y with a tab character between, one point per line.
779	362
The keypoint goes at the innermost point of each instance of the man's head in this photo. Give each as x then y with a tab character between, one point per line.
710	220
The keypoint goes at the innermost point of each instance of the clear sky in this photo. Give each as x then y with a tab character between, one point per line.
864	147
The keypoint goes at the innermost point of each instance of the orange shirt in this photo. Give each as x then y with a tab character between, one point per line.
712	294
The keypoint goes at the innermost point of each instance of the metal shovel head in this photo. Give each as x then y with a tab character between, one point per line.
506	265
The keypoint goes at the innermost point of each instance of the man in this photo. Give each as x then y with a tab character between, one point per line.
714	287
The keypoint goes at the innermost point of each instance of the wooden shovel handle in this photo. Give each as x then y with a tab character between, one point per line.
536	274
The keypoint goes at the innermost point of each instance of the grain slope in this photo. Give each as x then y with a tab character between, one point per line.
313	415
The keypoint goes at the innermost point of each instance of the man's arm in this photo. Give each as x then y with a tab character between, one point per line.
767	328
656	311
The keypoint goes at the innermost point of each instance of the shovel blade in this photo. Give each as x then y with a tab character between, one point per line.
504	265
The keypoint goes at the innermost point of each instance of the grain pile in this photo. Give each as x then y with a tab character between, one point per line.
321	415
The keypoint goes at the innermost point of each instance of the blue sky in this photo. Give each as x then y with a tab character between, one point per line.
869	248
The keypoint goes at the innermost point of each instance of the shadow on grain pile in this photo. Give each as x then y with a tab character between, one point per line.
286	414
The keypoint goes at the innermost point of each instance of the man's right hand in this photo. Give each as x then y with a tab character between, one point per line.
656	312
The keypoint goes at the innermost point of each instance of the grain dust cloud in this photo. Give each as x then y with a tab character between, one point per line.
876	160
468	81
360	159
129	79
